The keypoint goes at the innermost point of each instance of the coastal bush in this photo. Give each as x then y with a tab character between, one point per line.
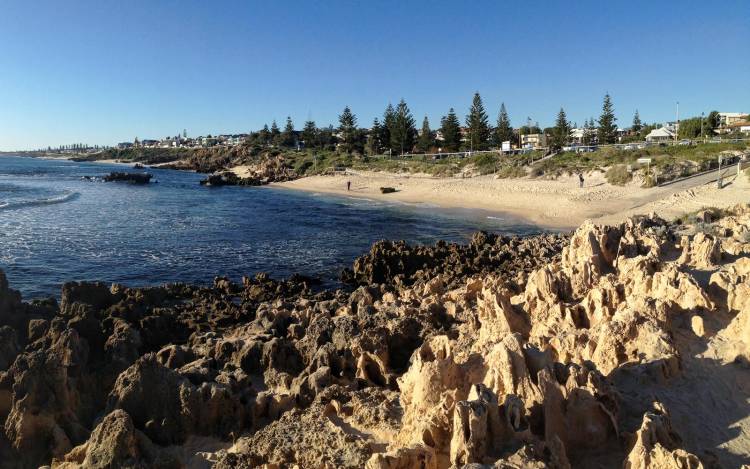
506	172
618	175
537	170
648	181
304	166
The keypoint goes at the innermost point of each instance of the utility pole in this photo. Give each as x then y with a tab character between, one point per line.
702	138
677	124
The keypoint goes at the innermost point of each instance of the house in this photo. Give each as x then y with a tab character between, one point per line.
662	134
579	135
741	126
123	145
533	141
729	118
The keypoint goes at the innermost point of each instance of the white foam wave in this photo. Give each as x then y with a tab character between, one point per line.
39	202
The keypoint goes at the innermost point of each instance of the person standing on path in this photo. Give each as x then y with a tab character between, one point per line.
348	185
580	179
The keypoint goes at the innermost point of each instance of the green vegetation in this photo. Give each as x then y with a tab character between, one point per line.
426	139
140	155
607	126
561	131
477	125
637	124
702	215
618	175
391	142
668	162
503	130
451	129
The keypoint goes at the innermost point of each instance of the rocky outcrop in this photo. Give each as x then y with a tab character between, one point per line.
115	442
617	346
657	445
396	263
133	178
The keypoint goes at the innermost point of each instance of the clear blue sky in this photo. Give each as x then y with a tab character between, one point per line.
105	71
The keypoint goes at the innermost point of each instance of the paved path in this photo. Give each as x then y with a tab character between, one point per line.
728	174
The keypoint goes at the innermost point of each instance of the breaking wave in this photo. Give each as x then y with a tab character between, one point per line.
58	199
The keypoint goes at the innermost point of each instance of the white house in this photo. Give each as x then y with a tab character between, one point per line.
662	134
579	135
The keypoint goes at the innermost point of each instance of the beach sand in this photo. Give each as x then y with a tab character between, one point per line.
559	203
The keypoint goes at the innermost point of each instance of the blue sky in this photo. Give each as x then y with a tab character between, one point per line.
106	71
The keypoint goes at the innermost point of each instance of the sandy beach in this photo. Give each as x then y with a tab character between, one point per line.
559	203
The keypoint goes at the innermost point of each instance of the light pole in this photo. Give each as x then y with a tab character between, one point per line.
677	123
702	138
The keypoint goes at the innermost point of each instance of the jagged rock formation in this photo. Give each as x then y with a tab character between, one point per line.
621	346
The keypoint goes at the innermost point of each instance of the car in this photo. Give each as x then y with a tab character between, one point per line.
685	142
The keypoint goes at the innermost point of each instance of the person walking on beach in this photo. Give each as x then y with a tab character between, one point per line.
580	179
348	185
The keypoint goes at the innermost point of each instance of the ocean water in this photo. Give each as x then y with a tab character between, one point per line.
57	226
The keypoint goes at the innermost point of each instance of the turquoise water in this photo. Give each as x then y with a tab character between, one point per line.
56	226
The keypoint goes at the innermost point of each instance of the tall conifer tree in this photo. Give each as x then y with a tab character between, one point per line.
561	132
450	128
403	132
425	138
637	124
607	133
477	124
503	131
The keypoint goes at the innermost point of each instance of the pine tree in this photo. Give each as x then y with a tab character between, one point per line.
403	132
503	131
637	124
450	128
347	127
561	131
288	138
389	118
374	144
310	134
607	128
478	124
275	133
425	138
265	135
587	133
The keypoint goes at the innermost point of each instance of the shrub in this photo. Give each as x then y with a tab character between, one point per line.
302	168
511	172
701	227
649	181
618	175
536	171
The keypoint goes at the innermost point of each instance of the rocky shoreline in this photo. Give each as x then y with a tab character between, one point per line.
618	346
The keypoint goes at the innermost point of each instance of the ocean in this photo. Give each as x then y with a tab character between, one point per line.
56	226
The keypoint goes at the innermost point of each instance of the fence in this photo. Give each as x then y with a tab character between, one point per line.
568	148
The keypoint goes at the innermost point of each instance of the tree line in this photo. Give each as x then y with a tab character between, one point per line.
396	132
